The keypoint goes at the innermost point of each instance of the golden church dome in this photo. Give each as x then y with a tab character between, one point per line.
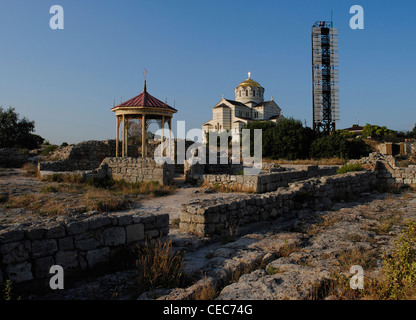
249	83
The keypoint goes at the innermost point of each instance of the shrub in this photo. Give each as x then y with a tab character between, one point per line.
349	168
378	132
48	149
400	266
338	146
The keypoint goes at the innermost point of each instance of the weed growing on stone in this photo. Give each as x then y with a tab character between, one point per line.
158	266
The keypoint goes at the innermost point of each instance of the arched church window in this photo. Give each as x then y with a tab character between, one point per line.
246	93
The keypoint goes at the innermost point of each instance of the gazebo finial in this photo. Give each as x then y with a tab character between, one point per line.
145	73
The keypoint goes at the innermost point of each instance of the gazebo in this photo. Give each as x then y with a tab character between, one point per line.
144	108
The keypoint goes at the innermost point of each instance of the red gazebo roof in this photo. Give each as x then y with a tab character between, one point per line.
145	99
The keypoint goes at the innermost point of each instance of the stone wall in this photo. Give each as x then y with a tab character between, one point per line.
387	171
12	158
209	217
86	155
390	175
28	251
195	172
265	182
138	170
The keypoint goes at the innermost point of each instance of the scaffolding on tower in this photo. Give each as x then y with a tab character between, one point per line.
325	76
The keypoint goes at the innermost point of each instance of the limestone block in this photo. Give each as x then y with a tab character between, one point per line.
114	236
20	272
41	267
97	256
98	222
152	233
185	217
67	259
135	232
33	233
55	231
86	244
124	219
77	227
162	220
46	247
11	235
66	243
14	252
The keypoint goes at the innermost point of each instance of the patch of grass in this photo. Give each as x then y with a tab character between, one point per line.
7	290
60	177
388	222
231	234
103	200
355	237
158	266
30	170
364	258
48	149
287	249
349	168
225	189
206	292
323	161
272	270
49	189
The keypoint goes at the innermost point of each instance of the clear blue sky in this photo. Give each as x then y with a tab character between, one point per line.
195	51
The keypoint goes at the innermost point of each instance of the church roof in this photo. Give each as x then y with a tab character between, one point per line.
236	103
145	99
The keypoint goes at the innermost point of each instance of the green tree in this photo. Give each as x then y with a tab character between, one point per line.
378	132
337	145
16	132
287	139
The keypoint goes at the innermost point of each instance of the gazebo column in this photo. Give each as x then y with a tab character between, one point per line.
123	137
163	136
117	133
126	135
170	138
143	136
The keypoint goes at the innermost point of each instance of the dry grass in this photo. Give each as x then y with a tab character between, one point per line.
325	222
206	292
158	266
70	193
30	170
223	189
323	162
364	258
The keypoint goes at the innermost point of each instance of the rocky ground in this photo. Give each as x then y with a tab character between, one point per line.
285	259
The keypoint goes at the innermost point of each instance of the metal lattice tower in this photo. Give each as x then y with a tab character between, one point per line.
325	76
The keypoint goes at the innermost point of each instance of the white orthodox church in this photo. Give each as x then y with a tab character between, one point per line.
248	106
